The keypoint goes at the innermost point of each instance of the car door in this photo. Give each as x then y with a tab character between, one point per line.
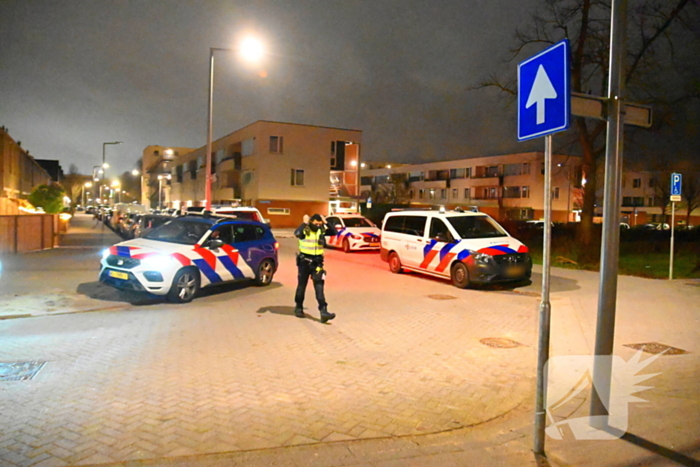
335	240
249	241
415	241
225	258
438	253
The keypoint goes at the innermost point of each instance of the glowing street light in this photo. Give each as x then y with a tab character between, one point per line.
251	50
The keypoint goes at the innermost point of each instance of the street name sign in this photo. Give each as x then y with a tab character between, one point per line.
544	97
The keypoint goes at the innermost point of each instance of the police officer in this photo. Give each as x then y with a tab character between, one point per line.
311	234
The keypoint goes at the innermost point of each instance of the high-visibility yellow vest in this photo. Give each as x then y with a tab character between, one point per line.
311	244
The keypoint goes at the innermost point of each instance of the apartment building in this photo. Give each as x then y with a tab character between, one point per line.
506	187
286	170
645	197
19	172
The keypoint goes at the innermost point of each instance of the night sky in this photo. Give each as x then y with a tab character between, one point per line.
77	73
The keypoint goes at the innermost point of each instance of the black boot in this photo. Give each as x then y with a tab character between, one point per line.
299	311
325	315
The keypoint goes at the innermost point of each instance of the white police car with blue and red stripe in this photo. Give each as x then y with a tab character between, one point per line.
466	247
355	233
187	253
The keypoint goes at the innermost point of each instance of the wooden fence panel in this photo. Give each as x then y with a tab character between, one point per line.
23	233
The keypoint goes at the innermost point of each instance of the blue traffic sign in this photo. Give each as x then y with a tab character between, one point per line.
676	183
544	96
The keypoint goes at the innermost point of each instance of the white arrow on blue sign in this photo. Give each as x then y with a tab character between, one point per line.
544	96
676	183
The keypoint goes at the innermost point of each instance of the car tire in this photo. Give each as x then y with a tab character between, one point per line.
265	272
346	246
395	263
185	285
460	275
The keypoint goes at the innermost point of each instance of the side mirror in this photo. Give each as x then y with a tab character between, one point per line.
215	243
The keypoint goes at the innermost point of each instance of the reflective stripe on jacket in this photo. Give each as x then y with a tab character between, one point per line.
312	243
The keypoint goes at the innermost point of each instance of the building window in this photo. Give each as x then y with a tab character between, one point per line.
443	193
420	193
511	192
637	183
468	172
651	201
276	144
334	160
526	168
297	177
410	194
651	183
278	211
193	170
432	194
555	192
178	173
493	193
525	192
455	193
415	176
457	173
466	193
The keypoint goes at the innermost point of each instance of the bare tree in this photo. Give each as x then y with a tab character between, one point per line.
586	23
691	195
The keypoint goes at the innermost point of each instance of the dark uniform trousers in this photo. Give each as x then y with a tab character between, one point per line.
307	266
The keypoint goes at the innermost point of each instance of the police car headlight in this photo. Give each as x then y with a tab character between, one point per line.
356	237
157	262
481	257
105	253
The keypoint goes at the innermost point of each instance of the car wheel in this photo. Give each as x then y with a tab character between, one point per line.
266	270
185	286
395	263
460	275
346	246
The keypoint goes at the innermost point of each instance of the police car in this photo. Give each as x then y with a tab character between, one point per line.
466	247
354	233
188	253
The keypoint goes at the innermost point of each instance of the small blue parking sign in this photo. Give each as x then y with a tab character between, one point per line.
676	183
544	95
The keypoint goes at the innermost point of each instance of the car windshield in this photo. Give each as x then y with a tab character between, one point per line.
179	231
476	227
356	222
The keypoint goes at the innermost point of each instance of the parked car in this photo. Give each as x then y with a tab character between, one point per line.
355	232
465	247
188	253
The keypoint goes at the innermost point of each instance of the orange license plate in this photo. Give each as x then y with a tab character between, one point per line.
119	275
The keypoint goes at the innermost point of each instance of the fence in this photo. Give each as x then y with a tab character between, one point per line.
29	232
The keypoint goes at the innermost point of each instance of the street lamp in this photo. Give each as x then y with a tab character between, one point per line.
105	165
252	50
85	185
115	187
136	173
160	188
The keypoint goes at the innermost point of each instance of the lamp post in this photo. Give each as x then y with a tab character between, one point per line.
136	173
105	166
160	188
252	50
85	185
116	186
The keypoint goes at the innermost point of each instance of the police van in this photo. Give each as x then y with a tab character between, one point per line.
466	247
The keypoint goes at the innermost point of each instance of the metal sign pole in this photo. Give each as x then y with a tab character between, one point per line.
610	251
673	223
545	306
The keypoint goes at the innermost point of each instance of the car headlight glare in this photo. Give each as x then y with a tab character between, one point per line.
157	262
105	253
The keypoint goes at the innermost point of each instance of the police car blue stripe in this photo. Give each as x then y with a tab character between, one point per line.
207	270
446	249
124	251
462	255
503	248
428	247
232	268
